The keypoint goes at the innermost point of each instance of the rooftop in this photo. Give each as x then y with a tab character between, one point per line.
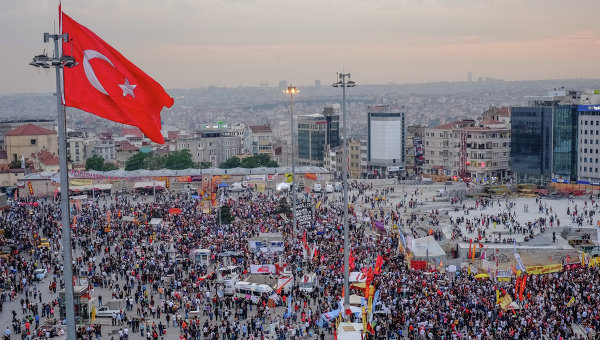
30	130
260	128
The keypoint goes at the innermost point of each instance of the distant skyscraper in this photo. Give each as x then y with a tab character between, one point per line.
470	76
283	84
317	82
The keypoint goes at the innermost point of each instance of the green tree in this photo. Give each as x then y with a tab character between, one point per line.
225	212
204	165
136	162
94	163
109	167
260	160
179	160
231	163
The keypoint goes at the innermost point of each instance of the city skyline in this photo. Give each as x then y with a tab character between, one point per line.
230	43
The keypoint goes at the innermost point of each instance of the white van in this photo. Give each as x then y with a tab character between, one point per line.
317	187
237	186
308	283
328	187
229	284
254	292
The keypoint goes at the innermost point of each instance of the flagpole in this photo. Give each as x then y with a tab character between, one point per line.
59	61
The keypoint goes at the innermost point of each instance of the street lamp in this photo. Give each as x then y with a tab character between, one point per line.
344	82
292	91
59	61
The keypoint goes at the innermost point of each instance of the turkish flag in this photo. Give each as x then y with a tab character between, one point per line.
108	85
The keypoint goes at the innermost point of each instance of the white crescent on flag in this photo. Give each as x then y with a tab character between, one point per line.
89	71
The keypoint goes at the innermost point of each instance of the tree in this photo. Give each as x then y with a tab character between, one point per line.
179	160
260	160
233	162
136	162
109	167
225	212
284	207
204	165
94	163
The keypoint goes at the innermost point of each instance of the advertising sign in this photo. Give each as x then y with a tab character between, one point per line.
262	269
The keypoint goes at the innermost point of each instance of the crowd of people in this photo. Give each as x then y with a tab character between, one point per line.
124	254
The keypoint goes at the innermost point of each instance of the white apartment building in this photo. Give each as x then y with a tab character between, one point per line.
487	149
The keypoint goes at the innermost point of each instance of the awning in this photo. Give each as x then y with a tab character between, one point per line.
79	188
149	184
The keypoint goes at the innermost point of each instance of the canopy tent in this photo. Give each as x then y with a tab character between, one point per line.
149	184
355	299
349	331
96	187
426	248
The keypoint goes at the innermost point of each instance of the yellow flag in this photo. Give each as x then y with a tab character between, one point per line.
93	316
583	259
497	296
469	271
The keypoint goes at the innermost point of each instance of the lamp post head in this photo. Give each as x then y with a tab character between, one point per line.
291	90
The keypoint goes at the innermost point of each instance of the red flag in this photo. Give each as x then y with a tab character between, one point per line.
378	264
370	328
108	85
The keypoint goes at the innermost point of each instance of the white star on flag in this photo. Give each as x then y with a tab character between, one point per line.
128	88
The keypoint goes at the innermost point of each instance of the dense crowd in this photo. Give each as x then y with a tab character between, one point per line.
125	255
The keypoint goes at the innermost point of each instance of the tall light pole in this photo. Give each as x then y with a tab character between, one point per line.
59	61
292	91
344	82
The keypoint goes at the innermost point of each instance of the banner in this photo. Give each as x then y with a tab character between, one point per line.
520	265
418	264
289	178
505	302
184	178
30	187
79	182
311	176
546	269
262	269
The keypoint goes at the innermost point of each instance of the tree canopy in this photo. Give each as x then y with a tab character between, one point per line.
260	160
97	163
177	160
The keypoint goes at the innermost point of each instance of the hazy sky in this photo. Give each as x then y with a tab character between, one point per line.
197	43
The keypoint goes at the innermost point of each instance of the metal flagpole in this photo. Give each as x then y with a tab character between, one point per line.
59	61
343	84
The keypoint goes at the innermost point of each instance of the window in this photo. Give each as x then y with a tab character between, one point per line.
33	141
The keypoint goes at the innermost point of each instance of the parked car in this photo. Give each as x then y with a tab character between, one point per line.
317	187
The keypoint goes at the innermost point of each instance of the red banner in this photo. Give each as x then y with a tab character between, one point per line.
418	264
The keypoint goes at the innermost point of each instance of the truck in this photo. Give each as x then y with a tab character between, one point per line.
308	283
284	284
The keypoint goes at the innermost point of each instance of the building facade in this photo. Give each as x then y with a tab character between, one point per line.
386	140
485	146
214	145
260	140
29	139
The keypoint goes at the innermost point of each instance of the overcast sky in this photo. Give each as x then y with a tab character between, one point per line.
198	43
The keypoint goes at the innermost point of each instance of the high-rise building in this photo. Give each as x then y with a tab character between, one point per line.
283	84
544	134
470	76
314	132
588	139
386	141
317	83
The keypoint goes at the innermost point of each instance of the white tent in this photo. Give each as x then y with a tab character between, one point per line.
149	184
426	247
349	331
